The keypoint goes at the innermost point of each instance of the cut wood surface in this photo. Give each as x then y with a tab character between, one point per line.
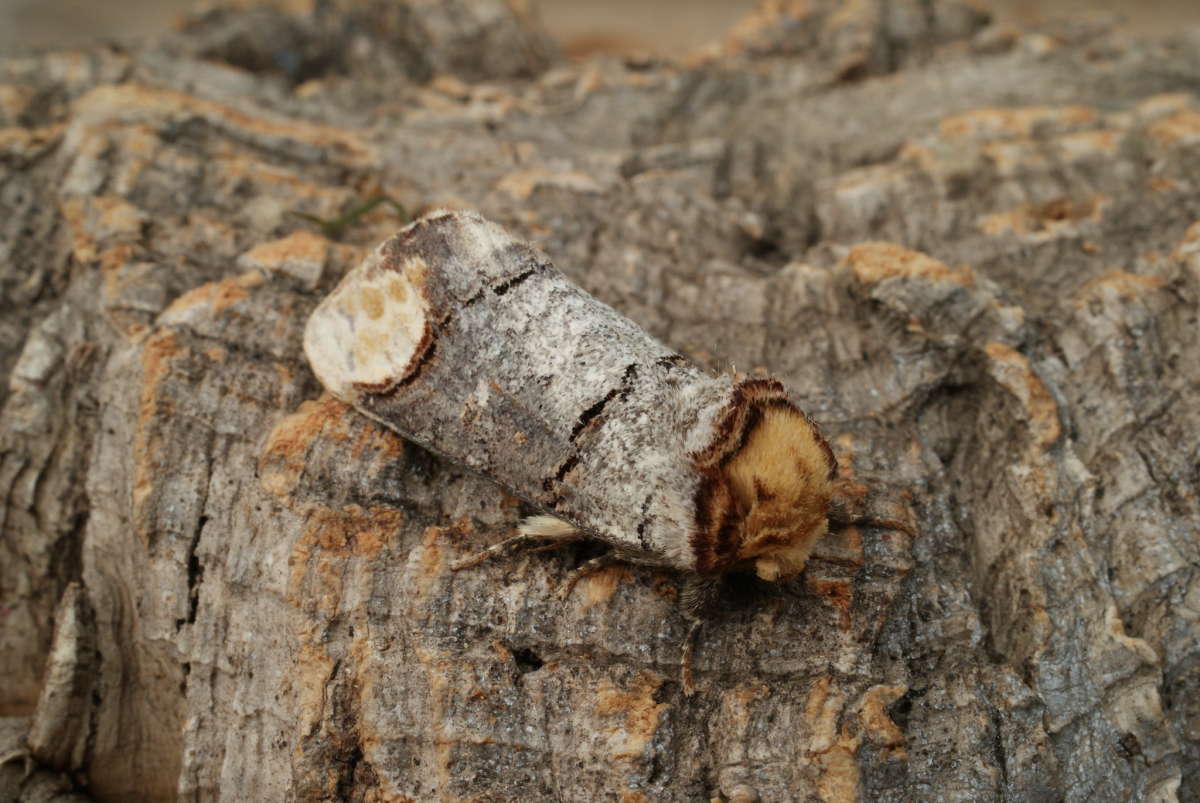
971	253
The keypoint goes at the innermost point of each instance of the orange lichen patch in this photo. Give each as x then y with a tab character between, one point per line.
749	694
1129	286
874	262
431	566
1045	220
845	455
301	254
1081	145
598	588
1181	128
371	440
156	356
285	375
354	530
821	711
134	102
386	791
25	144
283	457
633	797
330	540
1166	103
217	296
766	17
590	80
848	489
1189	244
853	13
1011	157
640	714
310	683
142	141
739	703
1012	370
117	217
112	259
580	47
877	725
157	352
449	85
1116	631
1162	184
73	67
216	354
503	654
839	779
282	460
663	588
98	219
838	593
842	546
1005	123
307	681
833	749
239	170
14	100
523	183
918	155
866	183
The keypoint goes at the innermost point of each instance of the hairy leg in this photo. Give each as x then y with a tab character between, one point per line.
596	564
840	516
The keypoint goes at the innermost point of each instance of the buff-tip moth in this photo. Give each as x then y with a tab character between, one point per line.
471	344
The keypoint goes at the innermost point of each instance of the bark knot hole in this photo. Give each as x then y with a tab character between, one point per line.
527	660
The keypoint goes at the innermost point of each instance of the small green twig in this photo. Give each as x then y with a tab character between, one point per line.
334	228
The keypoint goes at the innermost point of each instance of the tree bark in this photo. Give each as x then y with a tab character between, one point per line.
973	255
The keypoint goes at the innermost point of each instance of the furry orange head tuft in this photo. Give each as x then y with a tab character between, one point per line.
769	484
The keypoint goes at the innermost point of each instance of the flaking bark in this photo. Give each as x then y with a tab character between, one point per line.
972	254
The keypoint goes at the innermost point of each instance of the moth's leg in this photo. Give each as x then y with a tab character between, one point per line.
534	530
596	564
685	662
696	599
698	594
840	516
25	756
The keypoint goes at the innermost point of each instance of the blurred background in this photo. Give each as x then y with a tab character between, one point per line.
666	27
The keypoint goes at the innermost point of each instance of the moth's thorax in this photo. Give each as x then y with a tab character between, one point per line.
768	485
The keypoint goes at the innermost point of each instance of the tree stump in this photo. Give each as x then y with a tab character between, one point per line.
973	254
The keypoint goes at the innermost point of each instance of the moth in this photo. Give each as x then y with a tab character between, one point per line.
470	343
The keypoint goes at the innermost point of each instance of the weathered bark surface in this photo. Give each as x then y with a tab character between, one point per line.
973	254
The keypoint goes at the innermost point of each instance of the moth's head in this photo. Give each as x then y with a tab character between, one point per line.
769	484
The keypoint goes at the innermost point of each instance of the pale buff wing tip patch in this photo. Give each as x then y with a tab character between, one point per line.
368	332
